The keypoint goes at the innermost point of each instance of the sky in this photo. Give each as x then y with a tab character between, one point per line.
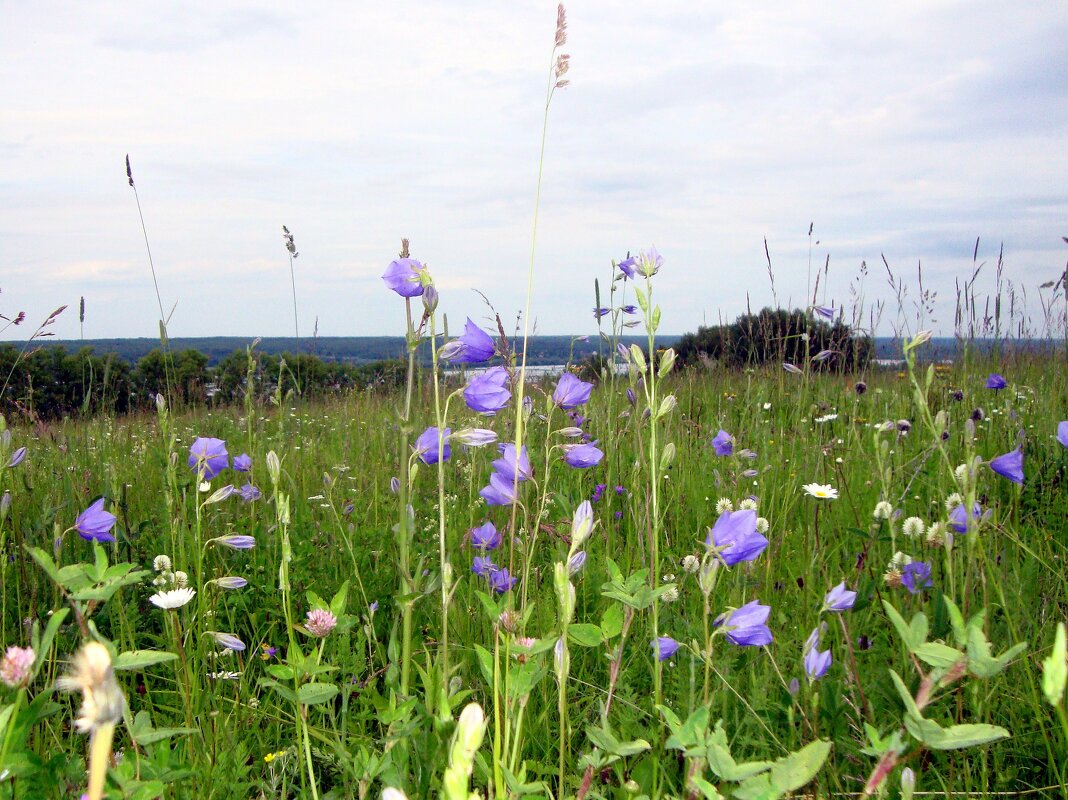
904	130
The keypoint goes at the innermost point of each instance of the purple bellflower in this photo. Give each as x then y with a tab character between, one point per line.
1010	466
629	309
601	312
508	465
500	492
649	262
958	518
17	457
426	446
735	537
485	537
473	347
243	462
582	456
483	566
916	576
746	626
723	443
665	647
95	524
995	382
208	457
816	662
249	493
488	393
501	580
839	598
628	265
571	392
402	276
1062	433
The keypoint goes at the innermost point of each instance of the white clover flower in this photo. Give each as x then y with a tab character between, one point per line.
961	474
936	535
671	595
899	560
762	525
724	504
161	563
953	501
748	504
883	510
691	564
913	526
175	598
181	579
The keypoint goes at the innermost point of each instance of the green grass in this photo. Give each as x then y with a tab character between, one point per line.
337	460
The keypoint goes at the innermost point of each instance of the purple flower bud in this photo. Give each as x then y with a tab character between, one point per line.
664	647
17	457
235	542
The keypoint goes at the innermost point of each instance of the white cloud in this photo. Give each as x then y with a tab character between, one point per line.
906	130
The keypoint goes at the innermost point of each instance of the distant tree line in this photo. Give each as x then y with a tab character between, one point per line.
777	335
50	382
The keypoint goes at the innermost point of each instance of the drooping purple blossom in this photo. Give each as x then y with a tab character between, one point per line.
426	446
995	382
488	393
735	537
958	518
582	456
95	524
839	598
571	392
243	462
629	309
501	580
499	492
601	312
664	647
916	576
473	347
1062	433
402	276
485	537
249	493
746	626
208	457
816	662
723	443
17	457
628	265
236	542
1010	465
227	640
827	312
508	465
482	566
598	492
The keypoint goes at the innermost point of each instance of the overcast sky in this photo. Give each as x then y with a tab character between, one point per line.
904	129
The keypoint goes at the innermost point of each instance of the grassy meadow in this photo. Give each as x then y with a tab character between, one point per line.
365	658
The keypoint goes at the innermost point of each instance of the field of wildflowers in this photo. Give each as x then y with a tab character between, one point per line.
668	584
647	582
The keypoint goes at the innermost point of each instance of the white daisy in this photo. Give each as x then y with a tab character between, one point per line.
175	598
821	491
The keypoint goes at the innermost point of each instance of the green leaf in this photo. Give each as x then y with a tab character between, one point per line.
42	644
284	691
908	632
280	671
337	602
311	694
612	621
956	619
707	790
906	695
485	663
45	562
955	737
1054	668
795	770
139	659
584	634
937	654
